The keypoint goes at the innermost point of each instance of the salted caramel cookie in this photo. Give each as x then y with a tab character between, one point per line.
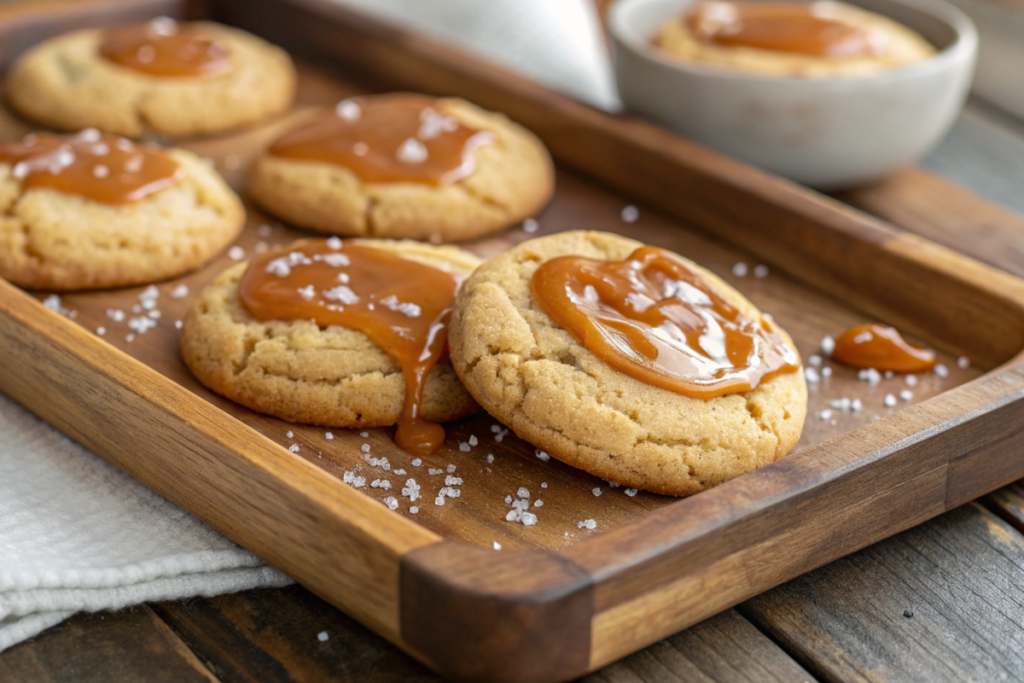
163	77
299	333
404	166
583	404
816	39
90	211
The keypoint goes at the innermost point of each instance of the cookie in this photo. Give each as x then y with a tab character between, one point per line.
67	82
535	377
115	215
300	372
405	166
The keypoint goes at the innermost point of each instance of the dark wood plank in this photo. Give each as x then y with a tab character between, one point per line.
1008	503
130	645
272	636
941	602
724	649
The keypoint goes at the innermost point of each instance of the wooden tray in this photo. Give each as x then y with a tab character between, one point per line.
556	600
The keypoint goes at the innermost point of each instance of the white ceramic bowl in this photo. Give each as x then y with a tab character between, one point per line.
828	133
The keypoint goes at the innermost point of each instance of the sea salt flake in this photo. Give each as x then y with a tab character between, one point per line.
828	345
412	151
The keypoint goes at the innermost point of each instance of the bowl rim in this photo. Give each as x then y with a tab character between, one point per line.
963	47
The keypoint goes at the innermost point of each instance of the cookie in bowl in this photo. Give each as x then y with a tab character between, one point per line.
165	77
796	39
339	334
404	166
91	211
628	361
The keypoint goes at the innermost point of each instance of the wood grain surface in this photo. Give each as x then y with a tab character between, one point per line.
856	269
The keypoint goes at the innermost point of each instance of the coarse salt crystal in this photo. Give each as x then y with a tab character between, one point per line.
412	151
348	110
290	434
889	400
856	405
907	395
815	360
236	253
538	503
630	492
529	519
439	500
463	446
129	338
825	414
179	292
328	435
417	462
811	375
543	484
544	457
826	372
452	481
391	502
497	546
523	492
101	331
630	214
739	269
365	435
941	370
451	468
294	448
828	345
963	362
365	448
508	500
761	270
473	440
911	380
587	524
322	636
596	491
334	242
490	458
414	510
530	225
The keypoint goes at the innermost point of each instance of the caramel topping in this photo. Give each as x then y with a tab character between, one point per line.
881	348
403	307
657	320
103	168
165	48
804	28
388	139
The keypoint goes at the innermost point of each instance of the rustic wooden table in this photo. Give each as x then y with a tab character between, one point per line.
941	602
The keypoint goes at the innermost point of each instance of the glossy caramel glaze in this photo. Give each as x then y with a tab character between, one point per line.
802	28
404	307
388	139
881	348
103	168
654	318
164	47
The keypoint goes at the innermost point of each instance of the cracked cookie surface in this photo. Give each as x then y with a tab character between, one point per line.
512	180
52	240
65	83
297	371
533	376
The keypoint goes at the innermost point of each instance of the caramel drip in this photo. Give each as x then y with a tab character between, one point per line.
881	348
388	139
103	168
801	28
165	48
404	307
657	320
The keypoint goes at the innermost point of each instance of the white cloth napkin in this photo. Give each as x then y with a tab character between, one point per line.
76	534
